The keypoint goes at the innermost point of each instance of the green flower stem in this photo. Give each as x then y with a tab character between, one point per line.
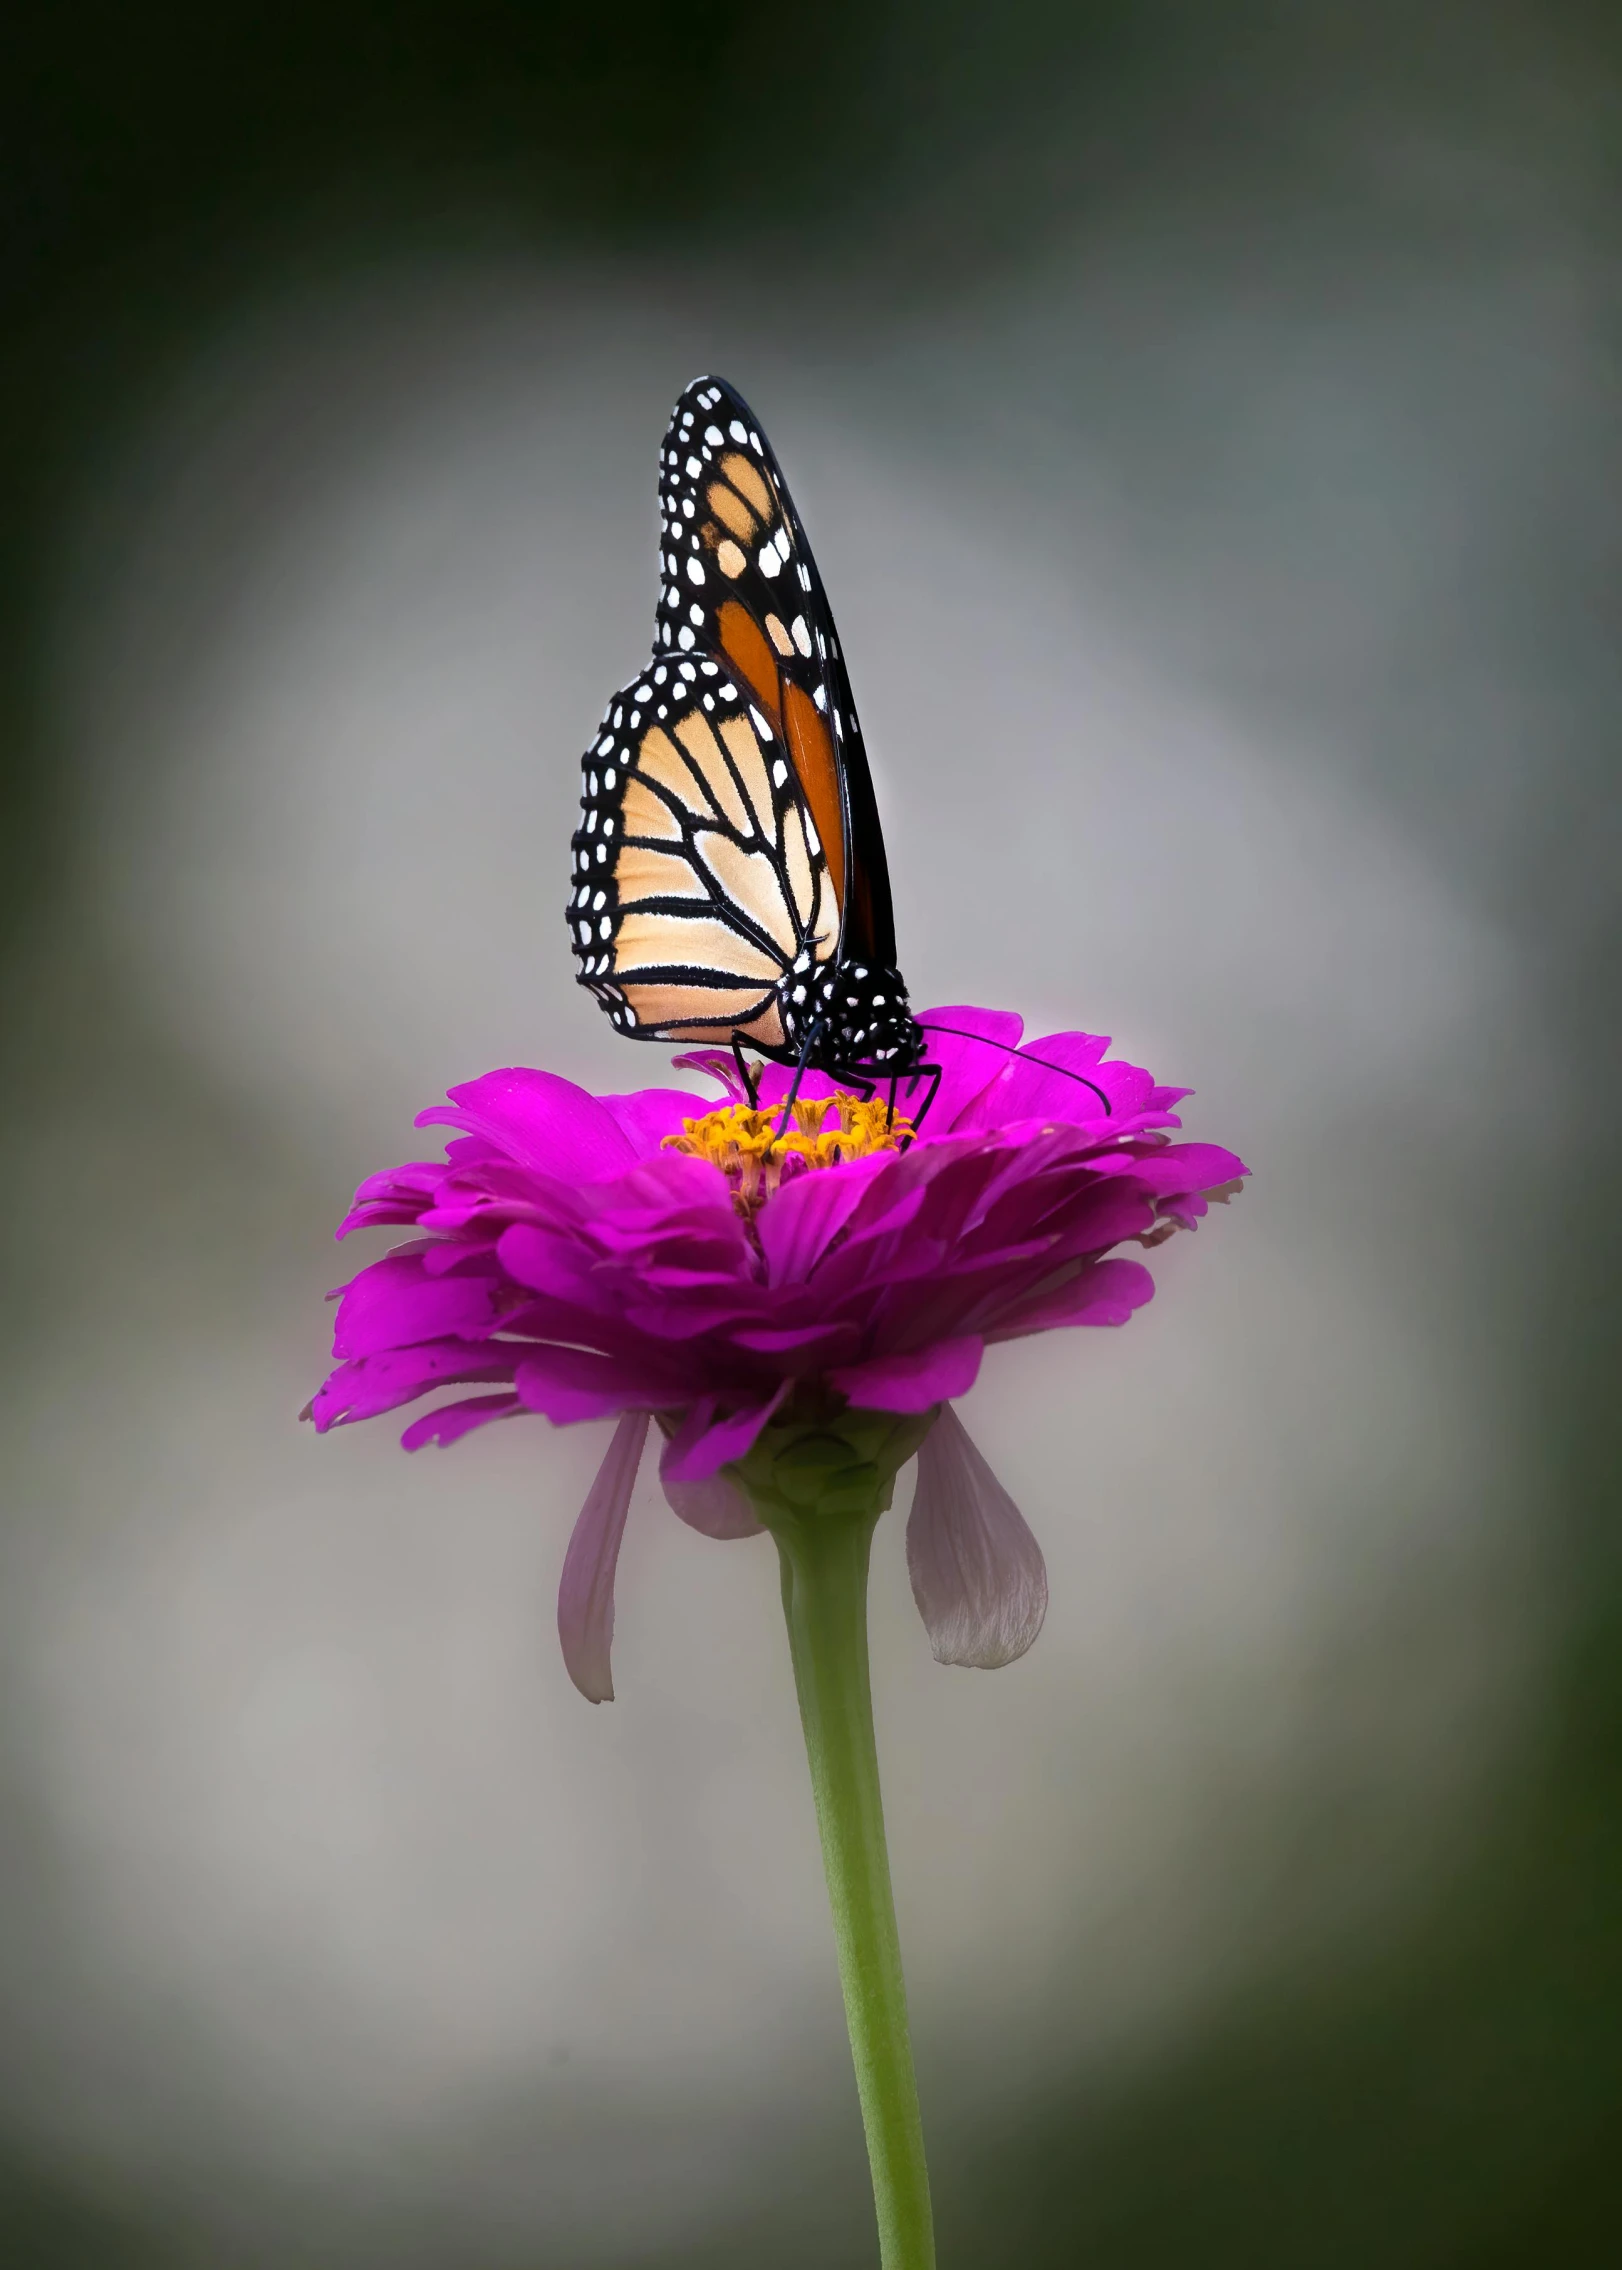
825	1556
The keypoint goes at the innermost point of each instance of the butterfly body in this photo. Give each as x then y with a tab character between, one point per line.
729	878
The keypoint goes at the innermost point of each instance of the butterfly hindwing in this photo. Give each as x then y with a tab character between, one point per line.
700	882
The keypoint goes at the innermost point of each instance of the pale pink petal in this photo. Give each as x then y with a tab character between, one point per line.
586	1594
716	1508
977	1572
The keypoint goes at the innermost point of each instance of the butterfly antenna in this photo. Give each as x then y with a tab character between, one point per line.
958	1033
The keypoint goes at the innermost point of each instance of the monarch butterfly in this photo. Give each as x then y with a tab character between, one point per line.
729	878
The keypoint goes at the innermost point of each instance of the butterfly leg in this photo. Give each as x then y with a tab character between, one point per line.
933	1074
811	1040
744	1074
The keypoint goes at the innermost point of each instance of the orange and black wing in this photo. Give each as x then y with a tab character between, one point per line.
700	883
739	582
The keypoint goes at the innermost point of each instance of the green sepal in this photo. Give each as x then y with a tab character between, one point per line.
824	1466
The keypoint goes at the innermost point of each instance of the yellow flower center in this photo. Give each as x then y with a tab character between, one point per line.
753	1156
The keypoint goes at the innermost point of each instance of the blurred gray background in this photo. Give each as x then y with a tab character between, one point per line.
1207	422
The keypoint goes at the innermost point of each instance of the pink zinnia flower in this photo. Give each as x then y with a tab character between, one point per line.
636	1257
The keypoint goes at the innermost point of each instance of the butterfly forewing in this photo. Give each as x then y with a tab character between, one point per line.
700	882
738	580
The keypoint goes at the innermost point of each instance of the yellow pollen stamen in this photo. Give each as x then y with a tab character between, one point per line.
752	1155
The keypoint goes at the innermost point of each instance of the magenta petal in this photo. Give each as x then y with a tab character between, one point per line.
795	1229
802	1348
570	1384
543	1122
914	1382
399	1195
395	1303
549	1261
977	1572
453	1420
716	1508
374	1384
586	1592
1037	1084
970	1053
704	1443
1188	1166
714	1064
775	1080
648	1115
1102	1292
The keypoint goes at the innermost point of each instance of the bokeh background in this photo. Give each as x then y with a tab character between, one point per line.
1207	420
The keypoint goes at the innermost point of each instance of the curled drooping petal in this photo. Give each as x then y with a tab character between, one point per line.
586	1594
977	1572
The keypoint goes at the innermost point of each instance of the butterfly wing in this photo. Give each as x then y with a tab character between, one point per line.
739	582
700	881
